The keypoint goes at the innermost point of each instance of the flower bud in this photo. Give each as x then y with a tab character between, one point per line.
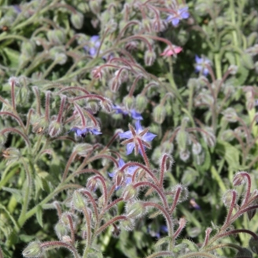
196	148
135	210
78	201
239	179
107	105
60	58
2	139
55	129
149	57
92	184
61	230
32	250
127	224
167	147
11	155
119	178
244	253
28	48
141	103
156	154
228	196
97	73
180	192
129	192
95	6
77	20
56	37
114	84
159	114
247	61
128	102
253	244
39	125
233	69
83	149
251	39
182	139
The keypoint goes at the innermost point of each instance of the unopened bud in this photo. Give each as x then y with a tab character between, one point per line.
247	61
32	250
127	224
180	192
77	20
11	155
55	129
83	149
239	179
167	147
95	6
129	192
135	210
228	196
28	48
141	103
253	243
128	102
61	230
149	57
196	148
107	105
60	58
78	201
159	114
244	253
184	155
92	184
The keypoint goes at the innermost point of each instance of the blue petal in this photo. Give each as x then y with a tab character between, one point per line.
131	170
169	18
112	174
206	71
136	115
198	59
121	163
149	137
128	180
175	21
129	148
94	38
92	52
138	126
183	12
95	131
126	135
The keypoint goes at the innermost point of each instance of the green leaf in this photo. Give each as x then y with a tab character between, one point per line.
230	153
13	57
39	214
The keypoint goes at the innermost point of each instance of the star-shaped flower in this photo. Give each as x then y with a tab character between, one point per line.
127	175
93	46
179	14
169	51
201	65
81	132
134	114
137	138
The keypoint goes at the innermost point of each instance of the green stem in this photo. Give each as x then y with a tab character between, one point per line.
26	197
217	66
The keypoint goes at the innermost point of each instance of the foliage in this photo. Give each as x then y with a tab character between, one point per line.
126	122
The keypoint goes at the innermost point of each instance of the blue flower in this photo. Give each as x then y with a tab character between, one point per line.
134	114
119	110
128	173
81	132
181	13
136	135
201	65
93	46
162	230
